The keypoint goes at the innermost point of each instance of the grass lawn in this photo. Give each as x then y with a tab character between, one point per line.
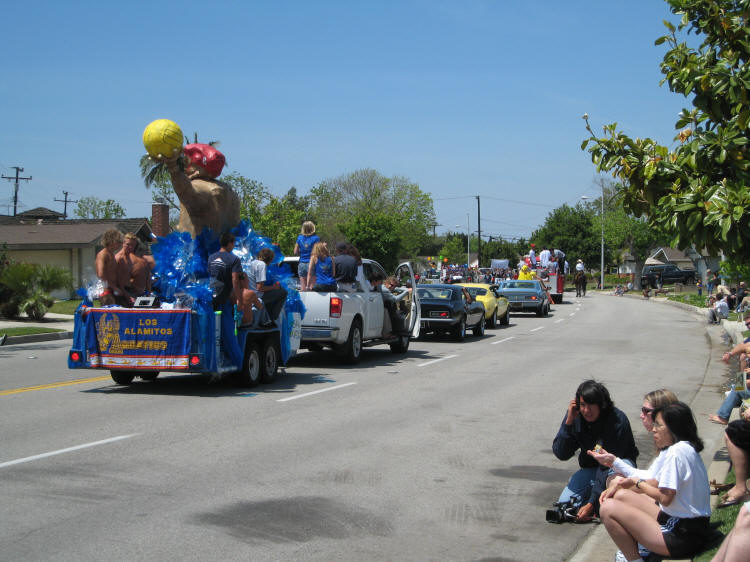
65	307
27	330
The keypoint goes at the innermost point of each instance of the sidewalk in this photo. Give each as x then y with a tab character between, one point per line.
598	546
51	320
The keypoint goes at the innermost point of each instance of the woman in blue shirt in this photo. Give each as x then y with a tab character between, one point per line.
324	269
303	248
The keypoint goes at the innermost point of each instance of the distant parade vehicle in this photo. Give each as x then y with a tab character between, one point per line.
496	308
525	296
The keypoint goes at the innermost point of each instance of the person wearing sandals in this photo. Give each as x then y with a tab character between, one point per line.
303	248
737	439
669	514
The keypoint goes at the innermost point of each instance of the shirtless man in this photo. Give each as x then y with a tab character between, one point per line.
106	270
204	200
133	271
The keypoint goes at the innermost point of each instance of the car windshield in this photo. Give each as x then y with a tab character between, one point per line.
519	285
476	291
435	293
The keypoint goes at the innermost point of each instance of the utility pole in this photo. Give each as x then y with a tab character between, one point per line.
15	195
66	201
479	234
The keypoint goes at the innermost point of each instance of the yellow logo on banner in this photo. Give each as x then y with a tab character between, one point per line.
108	332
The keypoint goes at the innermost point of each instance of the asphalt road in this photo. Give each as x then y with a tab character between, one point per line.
441	454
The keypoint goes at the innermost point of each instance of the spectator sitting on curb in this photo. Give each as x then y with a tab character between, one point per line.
737	439
737	544
591	420
718	310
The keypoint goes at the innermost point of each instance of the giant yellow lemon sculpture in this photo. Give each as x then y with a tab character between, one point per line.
162	137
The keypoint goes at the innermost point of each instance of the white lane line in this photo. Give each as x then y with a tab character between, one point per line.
68	450
315	392
537	328
559	320
436	360
572	314
502	340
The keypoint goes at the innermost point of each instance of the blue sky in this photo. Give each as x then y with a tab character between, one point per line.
464	98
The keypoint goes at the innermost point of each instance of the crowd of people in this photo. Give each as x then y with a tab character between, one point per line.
662	510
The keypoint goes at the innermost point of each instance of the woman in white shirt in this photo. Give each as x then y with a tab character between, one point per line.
669	512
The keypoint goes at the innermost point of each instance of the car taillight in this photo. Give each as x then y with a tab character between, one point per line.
336	306
443	314
533	297
75	356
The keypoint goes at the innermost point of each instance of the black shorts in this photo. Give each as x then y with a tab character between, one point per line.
684	537
738	433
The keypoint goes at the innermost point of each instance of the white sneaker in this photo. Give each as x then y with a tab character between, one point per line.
620	557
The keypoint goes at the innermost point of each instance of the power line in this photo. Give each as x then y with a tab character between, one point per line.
15	194
66	201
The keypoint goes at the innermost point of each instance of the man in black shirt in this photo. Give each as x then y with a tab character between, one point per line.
225	268
346	268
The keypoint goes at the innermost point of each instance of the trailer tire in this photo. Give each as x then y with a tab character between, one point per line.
269	360
351	351
149	375
122	377
249	375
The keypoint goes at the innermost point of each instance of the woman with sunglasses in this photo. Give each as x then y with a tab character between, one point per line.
669	512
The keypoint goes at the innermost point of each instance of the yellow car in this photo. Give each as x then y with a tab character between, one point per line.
495	306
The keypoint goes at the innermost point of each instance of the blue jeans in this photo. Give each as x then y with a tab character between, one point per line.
580	485
733	400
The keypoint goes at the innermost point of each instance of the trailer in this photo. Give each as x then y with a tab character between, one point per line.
144	342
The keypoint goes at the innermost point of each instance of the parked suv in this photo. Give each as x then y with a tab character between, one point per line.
669	274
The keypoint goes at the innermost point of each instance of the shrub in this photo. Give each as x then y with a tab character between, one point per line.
25	287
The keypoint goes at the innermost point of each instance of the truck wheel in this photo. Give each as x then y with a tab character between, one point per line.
352	349
459	330
401	346
122	377
269	360
493	320
479	328
505	318
250	373
149	375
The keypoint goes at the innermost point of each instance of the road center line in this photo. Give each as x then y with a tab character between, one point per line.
572	314
52	385
315	392
559	320
537	328
436	360
68	450
502	340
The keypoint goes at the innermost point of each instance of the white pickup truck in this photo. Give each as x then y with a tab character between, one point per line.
349	321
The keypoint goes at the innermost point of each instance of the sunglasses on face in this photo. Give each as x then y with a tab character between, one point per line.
647	411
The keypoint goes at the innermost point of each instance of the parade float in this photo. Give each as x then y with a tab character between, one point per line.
175	328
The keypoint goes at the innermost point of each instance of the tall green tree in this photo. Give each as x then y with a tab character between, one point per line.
696	192
95	208
375	236
572	230
368	191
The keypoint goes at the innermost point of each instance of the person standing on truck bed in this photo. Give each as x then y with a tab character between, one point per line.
323	268
225	269
346	268
303	248
274	295
133	271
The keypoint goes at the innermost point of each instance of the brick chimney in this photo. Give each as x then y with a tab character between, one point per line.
160	218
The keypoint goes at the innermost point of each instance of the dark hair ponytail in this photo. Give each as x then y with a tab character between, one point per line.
680	422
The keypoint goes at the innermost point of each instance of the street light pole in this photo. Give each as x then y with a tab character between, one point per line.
468	240
602	264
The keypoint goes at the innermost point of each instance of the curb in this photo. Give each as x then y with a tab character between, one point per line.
33	338
598	546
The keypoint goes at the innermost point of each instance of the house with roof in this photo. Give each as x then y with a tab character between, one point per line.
687	259
38	236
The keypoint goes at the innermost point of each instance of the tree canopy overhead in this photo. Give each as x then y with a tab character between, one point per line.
697	192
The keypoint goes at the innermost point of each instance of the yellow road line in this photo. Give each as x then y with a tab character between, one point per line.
52	385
